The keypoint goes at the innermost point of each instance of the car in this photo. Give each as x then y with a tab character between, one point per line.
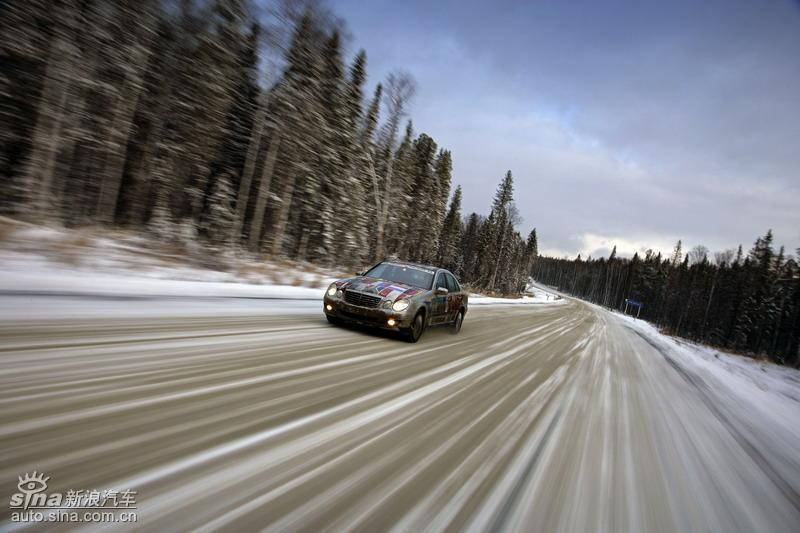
398	296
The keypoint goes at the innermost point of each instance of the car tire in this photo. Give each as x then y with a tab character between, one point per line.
333	320
455	327
417	327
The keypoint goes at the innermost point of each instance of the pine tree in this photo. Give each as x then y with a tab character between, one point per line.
334	159
245	127
532	252
400	88
298	110
502	200
469	247
485	263
401	212
677	255
365	165
59	79
351	226
442	174
355	87
422	241
136	23
27	31
448	255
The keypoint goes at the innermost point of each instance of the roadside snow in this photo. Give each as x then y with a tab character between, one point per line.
763	397
46	279
539	296
74	265
741	373
64	282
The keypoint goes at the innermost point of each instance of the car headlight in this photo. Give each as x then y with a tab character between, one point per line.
400	306
332	290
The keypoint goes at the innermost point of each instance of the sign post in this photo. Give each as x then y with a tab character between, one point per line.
633	303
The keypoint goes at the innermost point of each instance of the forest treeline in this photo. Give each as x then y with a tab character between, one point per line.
163	116
749	303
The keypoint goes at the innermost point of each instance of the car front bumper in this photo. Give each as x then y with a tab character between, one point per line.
367	316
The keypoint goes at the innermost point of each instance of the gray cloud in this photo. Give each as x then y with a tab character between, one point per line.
635	123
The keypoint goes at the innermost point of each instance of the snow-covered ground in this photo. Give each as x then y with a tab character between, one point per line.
533	295
59	253
65	264
769	385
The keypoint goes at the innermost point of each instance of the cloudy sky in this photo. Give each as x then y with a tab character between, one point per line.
635	123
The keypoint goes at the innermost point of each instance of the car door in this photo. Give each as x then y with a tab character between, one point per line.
439	302
454	297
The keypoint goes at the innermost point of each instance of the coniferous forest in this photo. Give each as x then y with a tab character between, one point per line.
745	302
253	129
215	122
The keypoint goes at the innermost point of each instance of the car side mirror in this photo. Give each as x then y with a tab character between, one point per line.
441	291
360	273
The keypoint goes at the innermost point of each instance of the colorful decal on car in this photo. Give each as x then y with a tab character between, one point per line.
385	291
454	302
390	290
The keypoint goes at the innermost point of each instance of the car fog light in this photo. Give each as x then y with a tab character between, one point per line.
391	322
329	307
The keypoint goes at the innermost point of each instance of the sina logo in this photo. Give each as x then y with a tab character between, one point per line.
30	487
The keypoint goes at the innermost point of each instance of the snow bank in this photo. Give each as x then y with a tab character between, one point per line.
534	295
58	262
761	394
53	282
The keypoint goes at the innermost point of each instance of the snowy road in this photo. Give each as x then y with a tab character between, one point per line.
244	414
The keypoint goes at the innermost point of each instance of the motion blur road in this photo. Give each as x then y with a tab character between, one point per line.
535	418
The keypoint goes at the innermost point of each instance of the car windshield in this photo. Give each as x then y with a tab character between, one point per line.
407	274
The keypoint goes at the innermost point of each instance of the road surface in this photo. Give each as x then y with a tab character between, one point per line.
228	415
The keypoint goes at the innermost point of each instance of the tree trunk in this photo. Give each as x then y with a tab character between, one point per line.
283	213
120	133
247	173
263	191
499	256
383	211
302	248
49	124
376	193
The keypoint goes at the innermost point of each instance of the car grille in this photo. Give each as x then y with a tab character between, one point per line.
362	300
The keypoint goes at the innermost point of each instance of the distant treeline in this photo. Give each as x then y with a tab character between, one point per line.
746	303
156	115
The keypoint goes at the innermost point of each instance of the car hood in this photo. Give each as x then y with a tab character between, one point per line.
388	290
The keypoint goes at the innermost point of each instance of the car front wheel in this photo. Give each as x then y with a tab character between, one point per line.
417	327
456	327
